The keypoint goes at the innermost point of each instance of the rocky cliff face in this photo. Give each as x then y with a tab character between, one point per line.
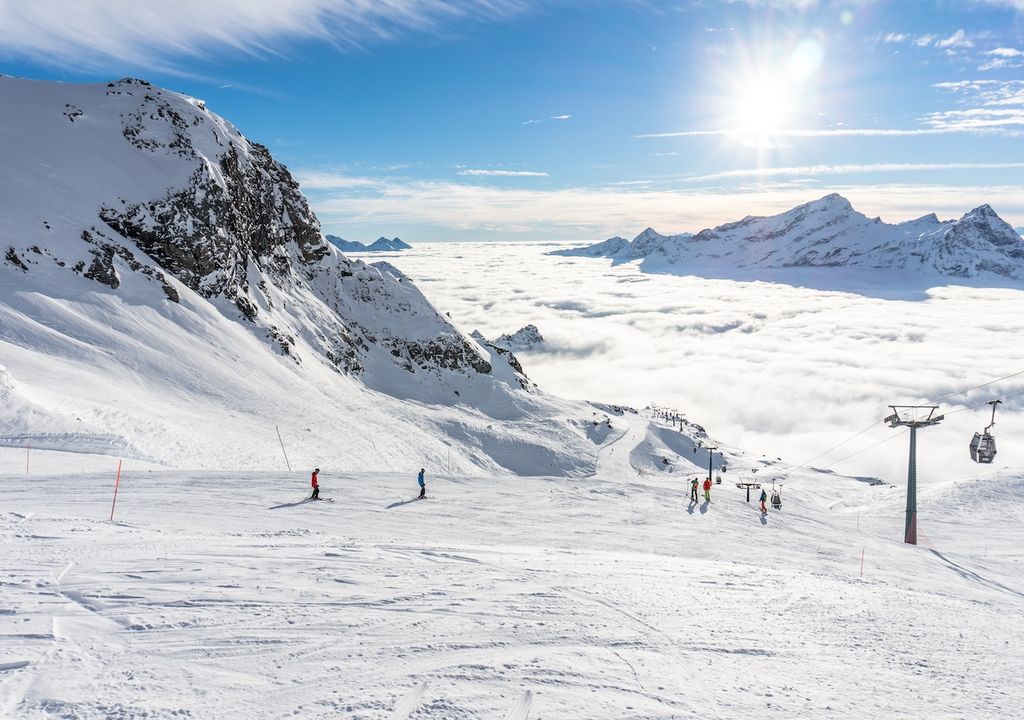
151	185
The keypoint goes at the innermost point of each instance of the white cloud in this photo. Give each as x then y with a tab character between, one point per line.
850	169
101	33
818	133
956	40
1006	52
896	37
771	368
985	105
581	213
924	40
316	180
561	117
991	107
502	173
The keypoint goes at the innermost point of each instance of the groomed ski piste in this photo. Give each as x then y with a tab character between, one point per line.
226	594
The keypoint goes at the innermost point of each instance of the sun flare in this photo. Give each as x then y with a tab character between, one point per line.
770	94
761	105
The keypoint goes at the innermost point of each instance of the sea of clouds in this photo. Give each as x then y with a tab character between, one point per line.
767	366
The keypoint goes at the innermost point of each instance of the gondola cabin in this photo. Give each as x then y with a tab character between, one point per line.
983	444
983	448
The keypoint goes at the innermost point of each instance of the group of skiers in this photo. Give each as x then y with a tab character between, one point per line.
695	484
315	482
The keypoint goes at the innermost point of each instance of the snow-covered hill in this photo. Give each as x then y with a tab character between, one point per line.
165	292
381	244
223	595
828	232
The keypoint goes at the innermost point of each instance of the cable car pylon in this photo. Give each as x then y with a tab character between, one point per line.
913	417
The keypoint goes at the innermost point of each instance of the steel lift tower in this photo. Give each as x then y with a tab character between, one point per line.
913	417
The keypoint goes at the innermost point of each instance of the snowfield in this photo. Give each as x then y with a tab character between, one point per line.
223	594
167	300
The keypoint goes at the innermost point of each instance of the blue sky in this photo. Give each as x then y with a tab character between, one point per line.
513	119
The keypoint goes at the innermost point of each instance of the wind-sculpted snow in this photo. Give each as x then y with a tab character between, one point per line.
828	232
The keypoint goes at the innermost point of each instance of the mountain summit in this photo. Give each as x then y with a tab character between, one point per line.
829	232
154	261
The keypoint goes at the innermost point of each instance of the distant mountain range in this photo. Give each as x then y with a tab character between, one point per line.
828	232
381	244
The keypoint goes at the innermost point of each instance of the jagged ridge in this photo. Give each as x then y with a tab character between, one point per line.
829	232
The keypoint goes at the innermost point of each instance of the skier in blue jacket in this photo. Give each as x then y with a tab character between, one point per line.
423	485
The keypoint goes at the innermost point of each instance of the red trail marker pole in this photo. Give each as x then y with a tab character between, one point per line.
117	482
862	562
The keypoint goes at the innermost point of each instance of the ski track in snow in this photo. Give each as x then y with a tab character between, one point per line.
505	598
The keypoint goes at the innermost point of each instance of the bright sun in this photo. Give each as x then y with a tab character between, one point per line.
762	105
766	97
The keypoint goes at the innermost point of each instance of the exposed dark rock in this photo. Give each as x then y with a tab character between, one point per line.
13	259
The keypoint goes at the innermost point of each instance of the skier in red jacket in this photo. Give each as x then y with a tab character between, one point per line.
707	490
316	485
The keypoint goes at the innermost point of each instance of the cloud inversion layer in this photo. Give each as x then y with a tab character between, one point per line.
769	367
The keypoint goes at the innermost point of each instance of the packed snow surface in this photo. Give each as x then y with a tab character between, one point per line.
225	594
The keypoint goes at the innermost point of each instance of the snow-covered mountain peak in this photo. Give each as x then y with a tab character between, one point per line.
833	202
527	337
829	232
146	191
166	293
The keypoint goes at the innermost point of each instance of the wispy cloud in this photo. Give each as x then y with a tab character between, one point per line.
852	169
103	33
823	132
502	173
896	37
958	39
984	105
1003	57
561	117
318	180
618	209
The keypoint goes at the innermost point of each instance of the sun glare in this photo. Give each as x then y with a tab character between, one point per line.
770	95
760	106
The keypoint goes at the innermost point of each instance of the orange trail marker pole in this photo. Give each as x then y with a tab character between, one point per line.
117	482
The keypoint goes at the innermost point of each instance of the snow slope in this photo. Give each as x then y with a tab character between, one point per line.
165	293
828	232
222	594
